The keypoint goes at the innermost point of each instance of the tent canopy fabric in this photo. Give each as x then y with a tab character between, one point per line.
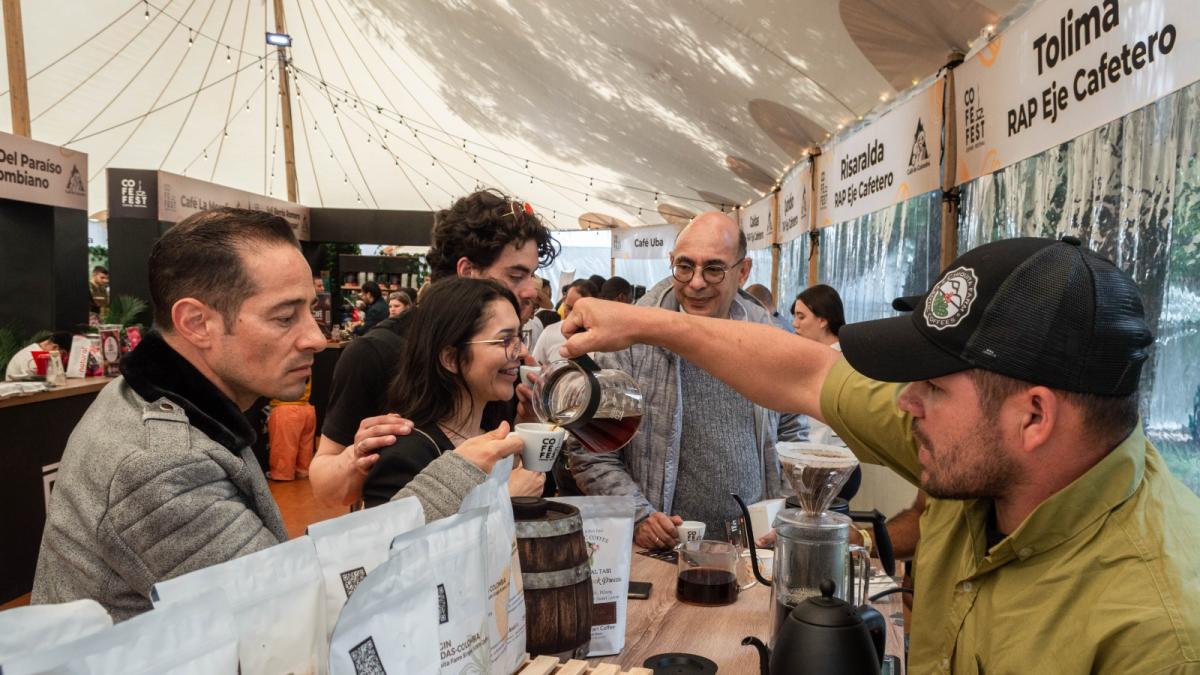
617	108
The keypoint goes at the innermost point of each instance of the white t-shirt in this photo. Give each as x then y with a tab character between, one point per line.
546	349
22	366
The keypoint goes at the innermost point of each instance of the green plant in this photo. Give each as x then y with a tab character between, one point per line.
125	310
10	344
97	255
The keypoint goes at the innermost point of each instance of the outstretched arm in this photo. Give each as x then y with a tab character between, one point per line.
774	369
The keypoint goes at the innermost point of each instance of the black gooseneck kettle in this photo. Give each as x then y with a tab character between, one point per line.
825	635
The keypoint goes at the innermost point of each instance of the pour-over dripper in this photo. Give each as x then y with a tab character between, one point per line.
816	472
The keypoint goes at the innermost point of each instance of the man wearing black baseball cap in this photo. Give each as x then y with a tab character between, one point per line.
1054	538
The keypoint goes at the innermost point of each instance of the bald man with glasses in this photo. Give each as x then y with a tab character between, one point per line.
699	440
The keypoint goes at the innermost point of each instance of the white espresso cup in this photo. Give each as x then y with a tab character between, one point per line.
542	442
525	371
690	530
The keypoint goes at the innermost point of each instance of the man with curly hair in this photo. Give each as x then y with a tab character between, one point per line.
483	235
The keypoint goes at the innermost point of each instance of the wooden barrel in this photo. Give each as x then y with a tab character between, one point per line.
556	577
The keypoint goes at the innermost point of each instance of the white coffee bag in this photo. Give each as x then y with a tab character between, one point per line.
453	548
278	601
387	626
196	637
505	595
608	531
37	627
352	545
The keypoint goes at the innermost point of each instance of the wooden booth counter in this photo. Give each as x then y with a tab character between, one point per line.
33	434
662	624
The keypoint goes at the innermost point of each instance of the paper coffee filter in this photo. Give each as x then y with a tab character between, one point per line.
816	472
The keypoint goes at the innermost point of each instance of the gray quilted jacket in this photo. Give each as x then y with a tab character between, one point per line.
647	468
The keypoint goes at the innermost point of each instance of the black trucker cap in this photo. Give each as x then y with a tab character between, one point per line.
1049	312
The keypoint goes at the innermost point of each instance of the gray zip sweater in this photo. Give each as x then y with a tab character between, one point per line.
158	479
647	468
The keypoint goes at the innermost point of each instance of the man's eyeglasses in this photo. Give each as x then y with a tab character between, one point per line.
512	345
712	274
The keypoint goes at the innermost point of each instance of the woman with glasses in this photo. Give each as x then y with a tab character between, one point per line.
456	375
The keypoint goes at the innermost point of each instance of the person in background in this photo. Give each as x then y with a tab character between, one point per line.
410	292
98	289
376	307
1053	530
22	366
399	302
542	317
291	436
700	440
817	315
483	235
616	289
545	349
456	372
597	282
762	295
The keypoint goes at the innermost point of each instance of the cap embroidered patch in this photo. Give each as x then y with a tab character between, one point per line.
950	301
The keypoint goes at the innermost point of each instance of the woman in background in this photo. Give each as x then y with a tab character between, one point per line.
455	381
817	315
399	302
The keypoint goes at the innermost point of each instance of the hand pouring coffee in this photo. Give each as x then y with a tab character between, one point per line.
812	544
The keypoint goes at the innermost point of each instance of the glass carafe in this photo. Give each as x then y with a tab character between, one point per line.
600	407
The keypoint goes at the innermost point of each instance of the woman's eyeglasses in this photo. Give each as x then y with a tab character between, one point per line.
512	345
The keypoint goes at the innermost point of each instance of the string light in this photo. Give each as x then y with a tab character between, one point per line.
228	55
190	41
147	4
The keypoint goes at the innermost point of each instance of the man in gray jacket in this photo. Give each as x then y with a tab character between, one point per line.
158	478
699	439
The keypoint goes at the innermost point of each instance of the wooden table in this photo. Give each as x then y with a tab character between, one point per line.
663	624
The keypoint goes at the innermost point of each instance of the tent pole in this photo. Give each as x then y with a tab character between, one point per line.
814	235
18	84
285	104
950	192
775	247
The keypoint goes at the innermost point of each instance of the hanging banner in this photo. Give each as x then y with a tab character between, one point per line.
756	223
139	193
40	173
656	241
180	197
890	160
795	200
1065	68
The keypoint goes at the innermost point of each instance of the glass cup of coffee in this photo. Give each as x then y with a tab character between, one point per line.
707	573
541	444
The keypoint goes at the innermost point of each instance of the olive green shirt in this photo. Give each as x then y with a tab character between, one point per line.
1102	577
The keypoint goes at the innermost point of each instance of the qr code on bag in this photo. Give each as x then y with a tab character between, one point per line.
351	579
366	659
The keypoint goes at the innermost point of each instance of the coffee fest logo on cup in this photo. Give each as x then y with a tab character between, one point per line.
40	173
1066	68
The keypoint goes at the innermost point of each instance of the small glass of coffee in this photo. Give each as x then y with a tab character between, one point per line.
707	573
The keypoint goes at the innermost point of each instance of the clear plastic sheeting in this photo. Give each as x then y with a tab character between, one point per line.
793	273
883	255
1130	190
